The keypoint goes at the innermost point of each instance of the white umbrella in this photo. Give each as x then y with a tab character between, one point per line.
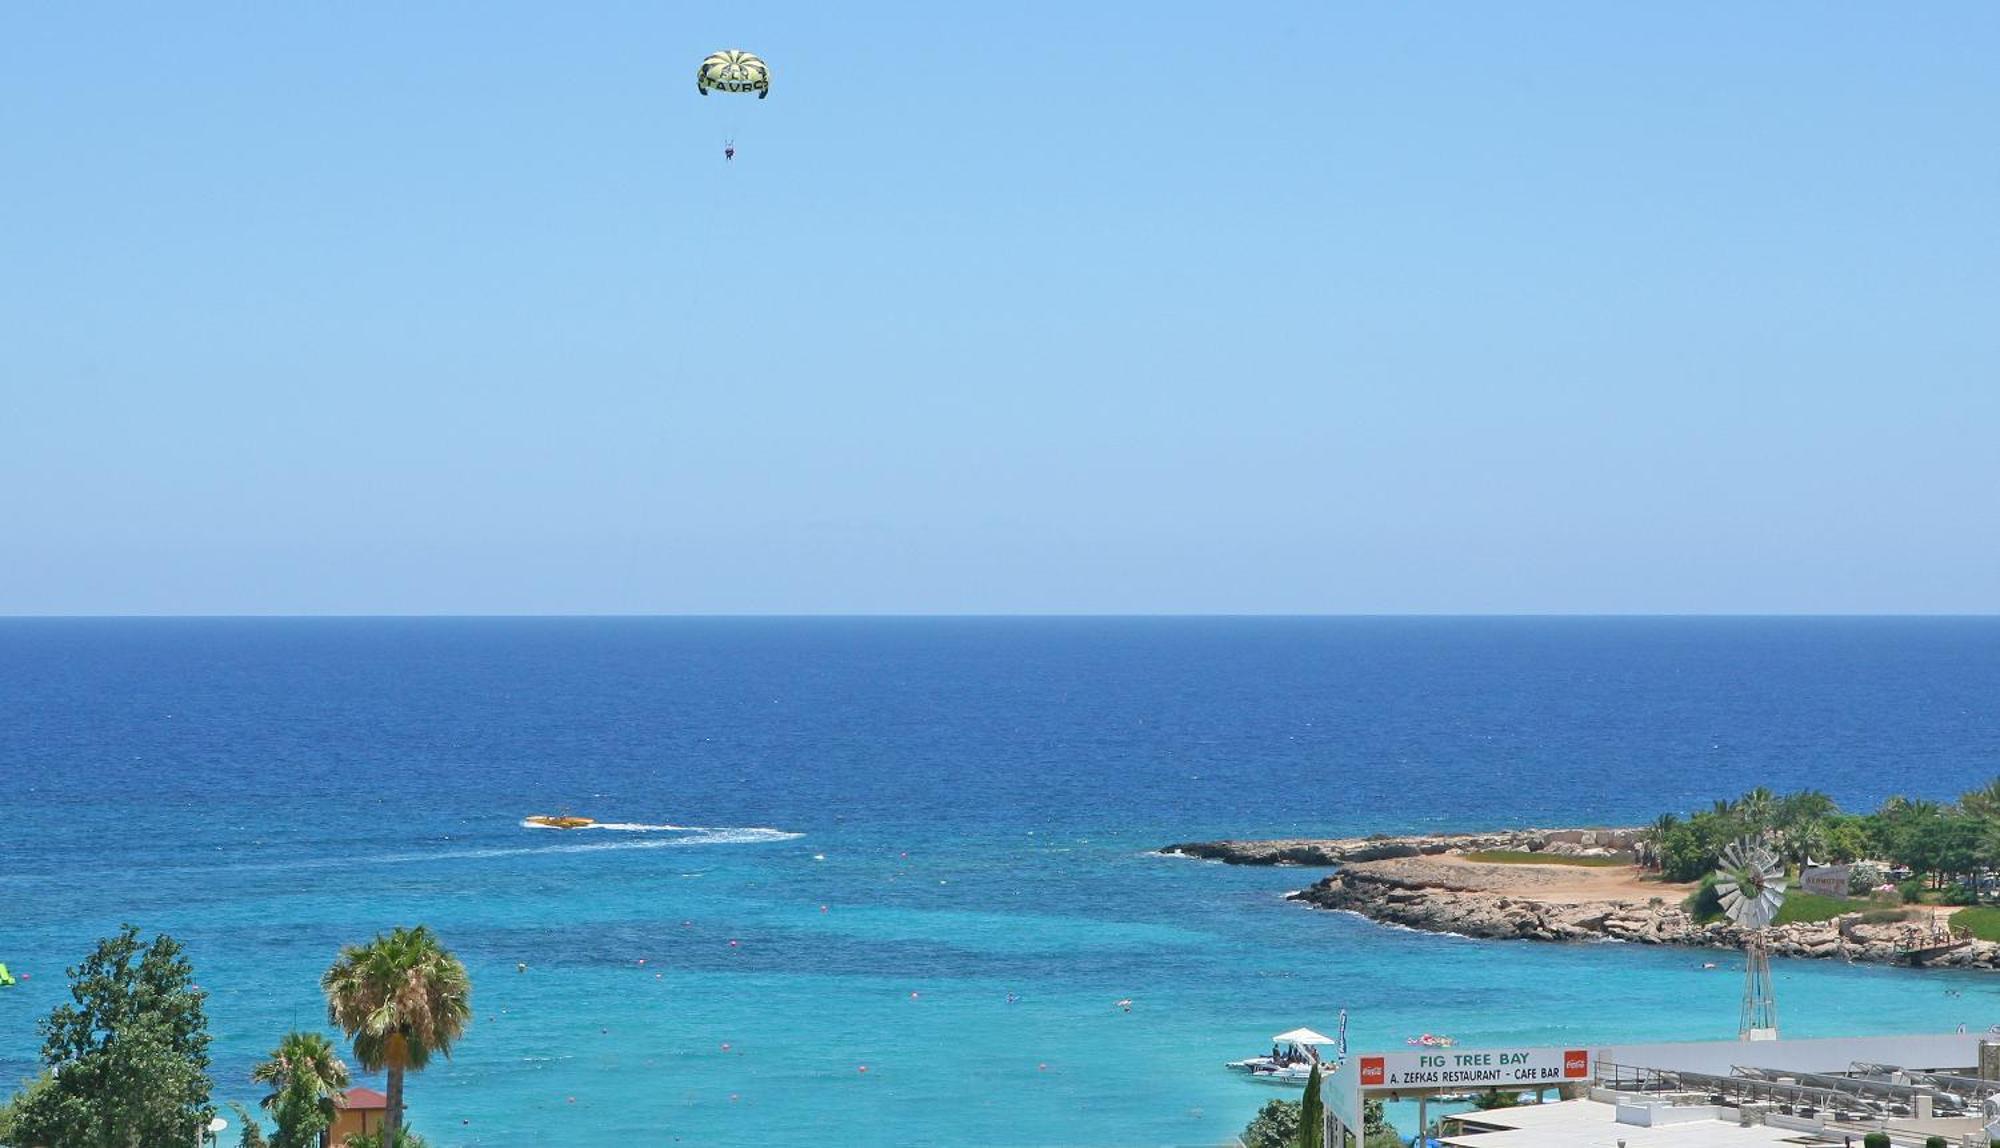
1302	1036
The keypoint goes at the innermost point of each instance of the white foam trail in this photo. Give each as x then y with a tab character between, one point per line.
625	827
691	835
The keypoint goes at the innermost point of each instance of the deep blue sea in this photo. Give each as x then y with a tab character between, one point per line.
918	846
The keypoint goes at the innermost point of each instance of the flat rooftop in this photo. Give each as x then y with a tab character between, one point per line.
1594	1124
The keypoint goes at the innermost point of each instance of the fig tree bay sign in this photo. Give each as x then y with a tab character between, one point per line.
1462	1068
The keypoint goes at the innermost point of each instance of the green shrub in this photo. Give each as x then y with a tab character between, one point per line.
1936	1142
1863	876
1276	1125
1912	890
1875	1140
1704	904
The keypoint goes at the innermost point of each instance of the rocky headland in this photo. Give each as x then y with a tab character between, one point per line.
1433	883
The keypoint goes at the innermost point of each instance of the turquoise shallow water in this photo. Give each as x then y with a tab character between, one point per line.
984	796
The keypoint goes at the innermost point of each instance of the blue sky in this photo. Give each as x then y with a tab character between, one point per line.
1296	308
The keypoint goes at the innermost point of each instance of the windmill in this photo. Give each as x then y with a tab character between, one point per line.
1751	884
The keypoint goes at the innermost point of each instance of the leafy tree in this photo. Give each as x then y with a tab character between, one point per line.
1757	809
1806	805
1846	838
129	1053
1654	836
1312	1113
404	1139
1488	1101
401	998
1276	1125
253	1132
1960	845
1803	841
20	1100
1376	1131
305	1076
1694	848
1983	802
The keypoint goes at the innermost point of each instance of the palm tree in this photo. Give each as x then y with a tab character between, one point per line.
401	997
1756	808
304	1064
1803	841
1796	809
1983	802
1654	838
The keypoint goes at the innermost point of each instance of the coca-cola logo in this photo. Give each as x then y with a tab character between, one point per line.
1373	1071
1576	1063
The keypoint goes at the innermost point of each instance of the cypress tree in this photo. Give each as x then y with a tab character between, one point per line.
1311	1113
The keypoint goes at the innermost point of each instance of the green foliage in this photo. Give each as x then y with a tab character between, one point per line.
1522	857
305	1075
400	998
1312	1113
129	1052
1875	1140
1982	923
1847	840
1488	1101
404	1139
1863	877
1692	849
253	1132
1276	1125
1935	841
1911	891
19	1101
1802	907
1936	1142
1704	904
1377	1132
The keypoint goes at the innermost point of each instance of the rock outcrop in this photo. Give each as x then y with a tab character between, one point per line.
1434	898
1344	850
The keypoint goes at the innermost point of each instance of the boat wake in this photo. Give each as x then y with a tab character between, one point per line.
621	827
652	837
680	835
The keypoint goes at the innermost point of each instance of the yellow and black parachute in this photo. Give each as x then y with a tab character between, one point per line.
733	71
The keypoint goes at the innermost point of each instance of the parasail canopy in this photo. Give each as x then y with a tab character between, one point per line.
733	71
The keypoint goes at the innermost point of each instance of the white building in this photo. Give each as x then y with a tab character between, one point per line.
1679	1095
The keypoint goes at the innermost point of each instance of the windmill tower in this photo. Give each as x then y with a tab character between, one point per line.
1751	883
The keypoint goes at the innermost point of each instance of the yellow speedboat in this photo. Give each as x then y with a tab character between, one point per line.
562	822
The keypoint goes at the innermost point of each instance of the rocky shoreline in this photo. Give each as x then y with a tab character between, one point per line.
1429	883
1344	850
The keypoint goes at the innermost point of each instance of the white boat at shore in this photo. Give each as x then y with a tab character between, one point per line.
1291	1061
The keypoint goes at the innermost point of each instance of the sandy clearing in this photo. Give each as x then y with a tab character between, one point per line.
1567	884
